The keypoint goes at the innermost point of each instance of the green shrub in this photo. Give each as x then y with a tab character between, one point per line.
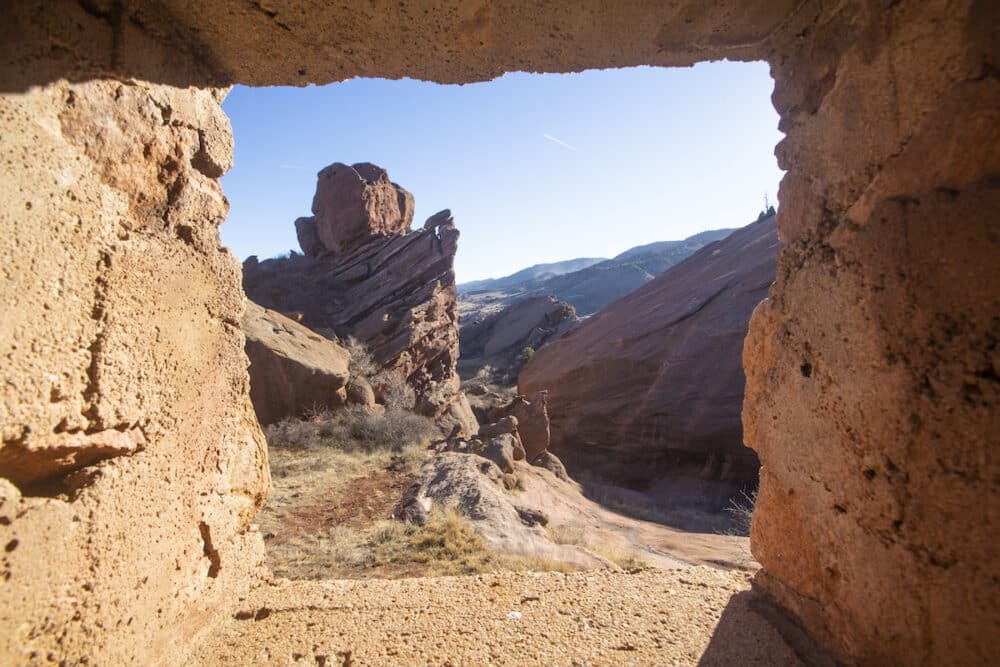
526	354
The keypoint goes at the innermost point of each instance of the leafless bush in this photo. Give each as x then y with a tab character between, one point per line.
395	393
741	511
362	363
352	428
394	429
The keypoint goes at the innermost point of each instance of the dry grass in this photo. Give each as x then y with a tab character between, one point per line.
627	558
445	545
352	429
336	477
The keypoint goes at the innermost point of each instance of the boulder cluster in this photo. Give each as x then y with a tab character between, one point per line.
518	431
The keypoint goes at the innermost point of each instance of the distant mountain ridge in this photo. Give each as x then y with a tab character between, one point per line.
536	272
588	288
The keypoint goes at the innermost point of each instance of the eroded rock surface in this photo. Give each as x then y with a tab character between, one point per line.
136	459
472	485
366	275
294	370
532	422
651	387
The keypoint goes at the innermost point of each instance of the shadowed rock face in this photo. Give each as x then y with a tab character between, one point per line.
292	369
651	387
366	275
876	521
499	338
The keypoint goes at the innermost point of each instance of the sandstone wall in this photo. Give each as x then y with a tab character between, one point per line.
121	348
872	372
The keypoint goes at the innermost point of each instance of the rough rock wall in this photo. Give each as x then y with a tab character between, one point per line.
649	389
888	213
297	42
873	373
122	352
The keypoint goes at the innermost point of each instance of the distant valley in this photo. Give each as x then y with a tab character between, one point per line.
588	284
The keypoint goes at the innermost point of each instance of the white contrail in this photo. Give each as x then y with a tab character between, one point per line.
561	142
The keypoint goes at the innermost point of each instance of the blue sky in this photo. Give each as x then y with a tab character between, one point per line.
534	167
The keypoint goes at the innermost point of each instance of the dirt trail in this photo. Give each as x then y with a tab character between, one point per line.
699	616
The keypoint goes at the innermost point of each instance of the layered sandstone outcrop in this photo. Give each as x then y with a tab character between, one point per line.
365	274
498	339
651	387
292	369
872	369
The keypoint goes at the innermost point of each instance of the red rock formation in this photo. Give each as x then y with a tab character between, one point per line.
353	205
652	386
366	275
532	423
292	369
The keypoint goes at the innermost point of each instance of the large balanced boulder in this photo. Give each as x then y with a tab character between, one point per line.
292	369
365	274
651	387
354	204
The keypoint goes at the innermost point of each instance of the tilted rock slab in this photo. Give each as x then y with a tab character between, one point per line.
292	369
652	386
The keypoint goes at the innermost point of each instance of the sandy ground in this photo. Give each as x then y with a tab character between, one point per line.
697	616
654	543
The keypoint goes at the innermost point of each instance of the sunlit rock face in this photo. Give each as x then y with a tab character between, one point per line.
871	394
354	205
365	274
133	459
